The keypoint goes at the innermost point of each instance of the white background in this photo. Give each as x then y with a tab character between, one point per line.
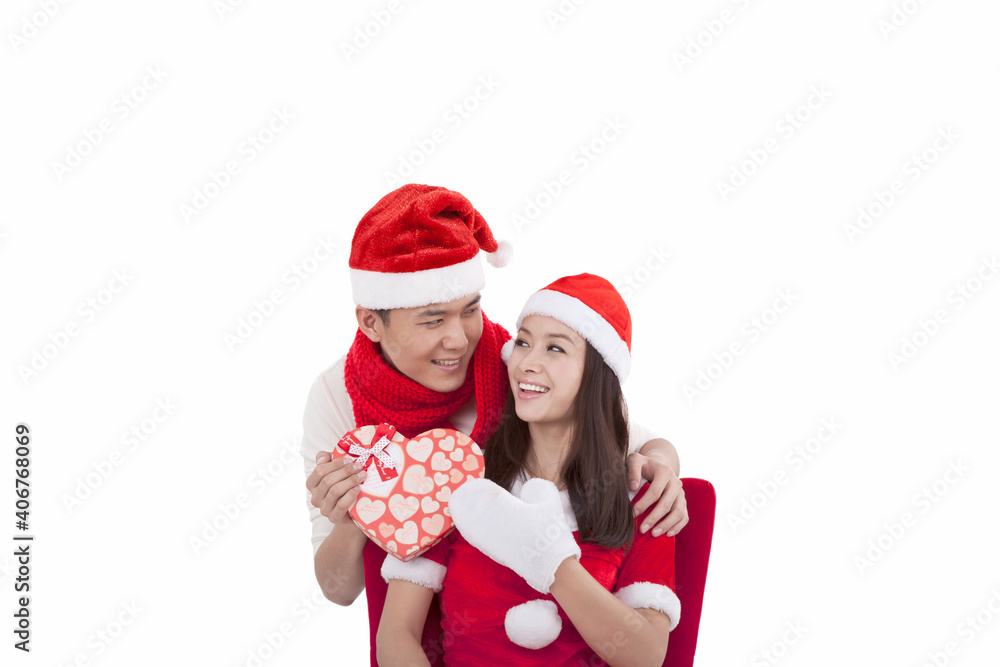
683	129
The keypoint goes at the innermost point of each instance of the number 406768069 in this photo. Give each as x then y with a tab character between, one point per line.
22	470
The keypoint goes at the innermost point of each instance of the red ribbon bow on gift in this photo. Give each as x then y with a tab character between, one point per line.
383	462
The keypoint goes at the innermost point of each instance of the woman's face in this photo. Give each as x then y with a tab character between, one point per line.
545	370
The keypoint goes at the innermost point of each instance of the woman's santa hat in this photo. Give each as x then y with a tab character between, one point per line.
419	245
592	307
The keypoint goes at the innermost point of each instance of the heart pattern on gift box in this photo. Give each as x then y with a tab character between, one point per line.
406	512
369	509
402	507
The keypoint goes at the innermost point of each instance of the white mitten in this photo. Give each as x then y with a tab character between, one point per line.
527	534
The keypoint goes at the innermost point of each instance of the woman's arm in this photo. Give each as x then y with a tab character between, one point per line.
402	624
619	634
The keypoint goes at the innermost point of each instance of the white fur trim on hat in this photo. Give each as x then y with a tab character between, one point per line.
420	570
646	595
534	624
579	317
376	290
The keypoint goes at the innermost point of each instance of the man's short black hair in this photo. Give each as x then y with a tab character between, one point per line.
383	314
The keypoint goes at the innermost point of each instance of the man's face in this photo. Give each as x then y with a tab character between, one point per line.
433	344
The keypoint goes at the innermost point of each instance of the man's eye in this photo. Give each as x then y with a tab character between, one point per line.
432	322
472	310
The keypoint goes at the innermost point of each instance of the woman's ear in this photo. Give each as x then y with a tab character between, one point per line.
367	322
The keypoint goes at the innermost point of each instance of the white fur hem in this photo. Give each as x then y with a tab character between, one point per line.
420	570
375	290
646	595
582	319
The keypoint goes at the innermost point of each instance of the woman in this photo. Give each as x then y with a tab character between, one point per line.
547	565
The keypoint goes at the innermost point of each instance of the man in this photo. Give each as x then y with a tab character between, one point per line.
425	356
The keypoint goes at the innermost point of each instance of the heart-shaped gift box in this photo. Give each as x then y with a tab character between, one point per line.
403	503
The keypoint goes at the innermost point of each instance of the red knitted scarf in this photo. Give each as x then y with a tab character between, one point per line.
380	393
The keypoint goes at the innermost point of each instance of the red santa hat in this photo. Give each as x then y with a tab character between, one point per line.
420	245
592	307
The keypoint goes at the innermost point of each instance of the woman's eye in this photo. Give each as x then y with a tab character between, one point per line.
520	343
556	348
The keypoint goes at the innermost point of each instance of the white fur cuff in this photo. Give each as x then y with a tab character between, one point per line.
420	570
646	595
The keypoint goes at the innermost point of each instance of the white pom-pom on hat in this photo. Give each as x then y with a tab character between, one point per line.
502	256
534	624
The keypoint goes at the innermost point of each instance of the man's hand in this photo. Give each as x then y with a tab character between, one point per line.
335	486
665	489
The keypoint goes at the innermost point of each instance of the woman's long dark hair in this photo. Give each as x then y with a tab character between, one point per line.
594	470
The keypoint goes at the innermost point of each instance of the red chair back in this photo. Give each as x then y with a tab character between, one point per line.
691	551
